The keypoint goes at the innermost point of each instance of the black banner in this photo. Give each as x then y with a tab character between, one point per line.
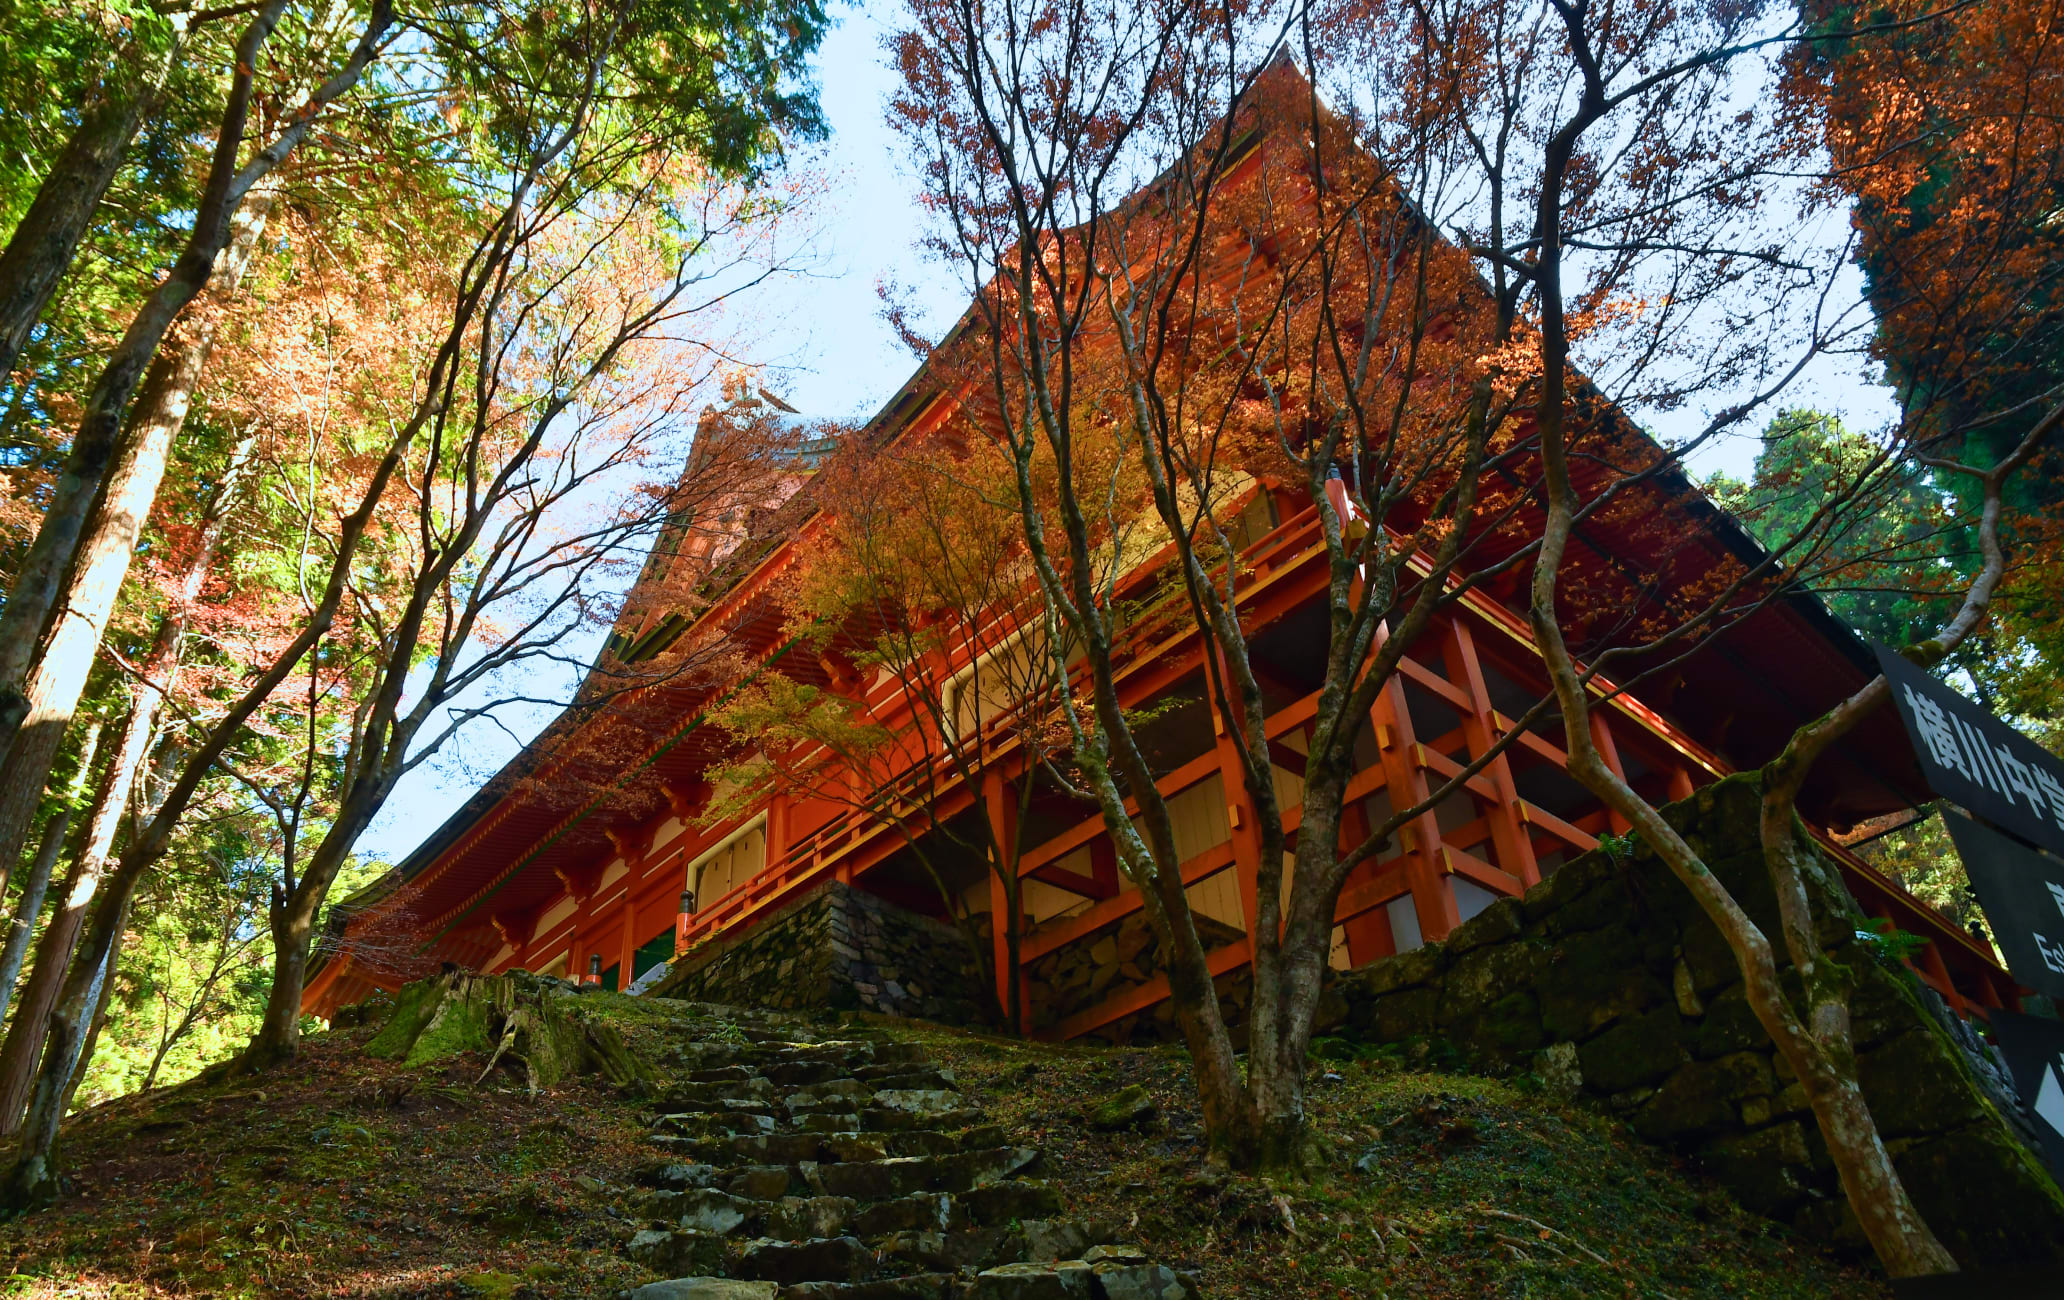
2023	895
1976	761
2034	1050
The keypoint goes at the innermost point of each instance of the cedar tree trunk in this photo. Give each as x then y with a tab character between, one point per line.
31	905
24	1043
42	246
87	597
94	445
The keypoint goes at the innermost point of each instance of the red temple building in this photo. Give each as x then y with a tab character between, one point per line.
590	854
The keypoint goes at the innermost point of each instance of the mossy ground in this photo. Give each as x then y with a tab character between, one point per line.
341	1174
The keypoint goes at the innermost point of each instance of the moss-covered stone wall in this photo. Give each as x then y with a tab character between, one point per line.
1607	980
837	948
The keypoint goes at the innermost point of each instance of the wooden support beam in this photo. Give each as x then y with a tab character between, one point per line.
1085	831
1432	899
1533	815
1932	964
579	879
1368	931
1002	810
1138	998
1059	934
515	925
1458	863
777	833
1391	880
1287	758
1513	848
1681	786
1240	814
627	844
627	943
1103	866
1073	881
1602	737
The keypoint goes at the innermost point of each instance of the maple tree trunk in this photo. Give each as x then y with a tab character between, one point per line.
279	1033
292	919
1903	1242
87	598
1824	1060
1289	977
31	905
40	250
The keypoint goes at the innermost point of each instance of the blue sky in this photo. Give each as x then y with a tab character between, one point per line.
830	351
820	333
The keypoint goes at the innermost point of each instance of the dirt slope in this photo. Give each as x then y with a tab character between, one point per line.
346	1175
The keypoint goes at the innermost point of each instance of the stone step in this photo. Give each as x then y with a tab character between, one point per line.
1140	1280
715	1123
763	1182
845	1086
881	1073
829	1121
822	1259
848	1266
676	1174
768	1034
704	1210
919	1101
918	1286
836	1144
690	1096
702	1288
755	1182
825	1049
716	1103
903	1053
790	1073
766	1148
881	1180
1043	1241
1070	1280
891	1119
1012	1199
793	1165
966	1250
794	1218
834	1103
917	1212
677	1254
852	1148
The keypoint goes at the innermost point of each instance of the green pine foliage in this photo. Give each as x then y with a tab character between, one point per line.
1893	560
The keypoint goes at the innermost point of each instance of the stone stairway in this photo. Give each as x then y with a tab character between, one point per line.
792	1166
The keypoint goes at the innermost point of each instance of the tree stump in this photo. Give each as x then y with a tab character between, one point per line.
534	1023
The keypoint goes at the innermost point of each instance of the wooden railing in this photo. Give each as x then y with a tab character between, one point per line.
1497	849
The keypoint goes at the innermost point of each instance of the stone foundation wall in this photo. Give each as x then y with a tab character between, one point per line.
1110	961
842	949
1607	980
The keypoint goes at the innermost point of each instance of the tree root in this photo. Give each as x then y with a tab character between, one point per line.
1547	1234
